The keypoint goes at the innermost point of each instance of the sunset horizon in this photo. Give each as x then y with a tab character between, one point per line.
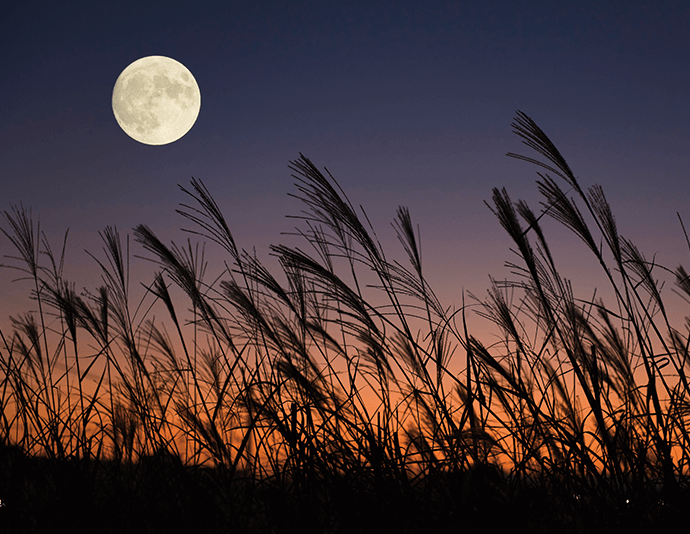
378	267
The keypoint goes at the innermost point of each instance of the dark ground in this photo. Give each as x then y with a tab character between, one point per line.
161	495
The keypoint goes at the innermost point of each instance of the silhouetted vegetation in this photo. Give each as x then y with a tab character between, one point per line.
341	394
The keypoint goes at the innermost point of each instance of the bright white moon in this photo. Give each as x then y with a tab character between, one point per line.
156	100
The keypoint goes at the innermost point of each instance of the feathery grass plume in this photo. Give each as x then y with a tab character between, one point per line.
636	316
342	382
27	241
209	218
22	236
565	211
604	215
535	138
332	209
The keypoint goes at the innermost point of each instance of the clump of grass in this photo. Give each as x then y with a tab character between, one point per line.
341	394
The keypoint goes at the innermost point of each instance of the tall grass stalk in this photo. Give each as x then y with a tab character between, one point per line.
344	373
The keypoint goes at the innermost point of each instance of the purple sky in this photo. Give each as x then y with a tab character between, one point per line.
405	105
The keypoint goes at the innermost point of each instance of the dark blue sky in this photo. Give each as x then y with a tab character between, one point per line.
404	103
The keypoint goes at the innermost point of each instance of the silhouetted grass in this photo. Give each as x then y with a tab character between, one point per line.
341	394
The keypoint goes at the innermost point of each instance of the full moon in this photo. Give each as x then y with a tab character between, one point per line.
156	100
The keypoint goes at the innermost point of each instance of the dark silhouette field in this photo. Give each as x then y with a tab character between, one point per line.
341	394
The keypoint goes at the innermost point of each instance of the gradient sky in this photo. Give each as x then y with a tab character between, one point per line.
404	103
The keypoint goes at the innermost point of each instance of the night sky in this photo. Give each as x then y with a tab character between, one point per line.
406	103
